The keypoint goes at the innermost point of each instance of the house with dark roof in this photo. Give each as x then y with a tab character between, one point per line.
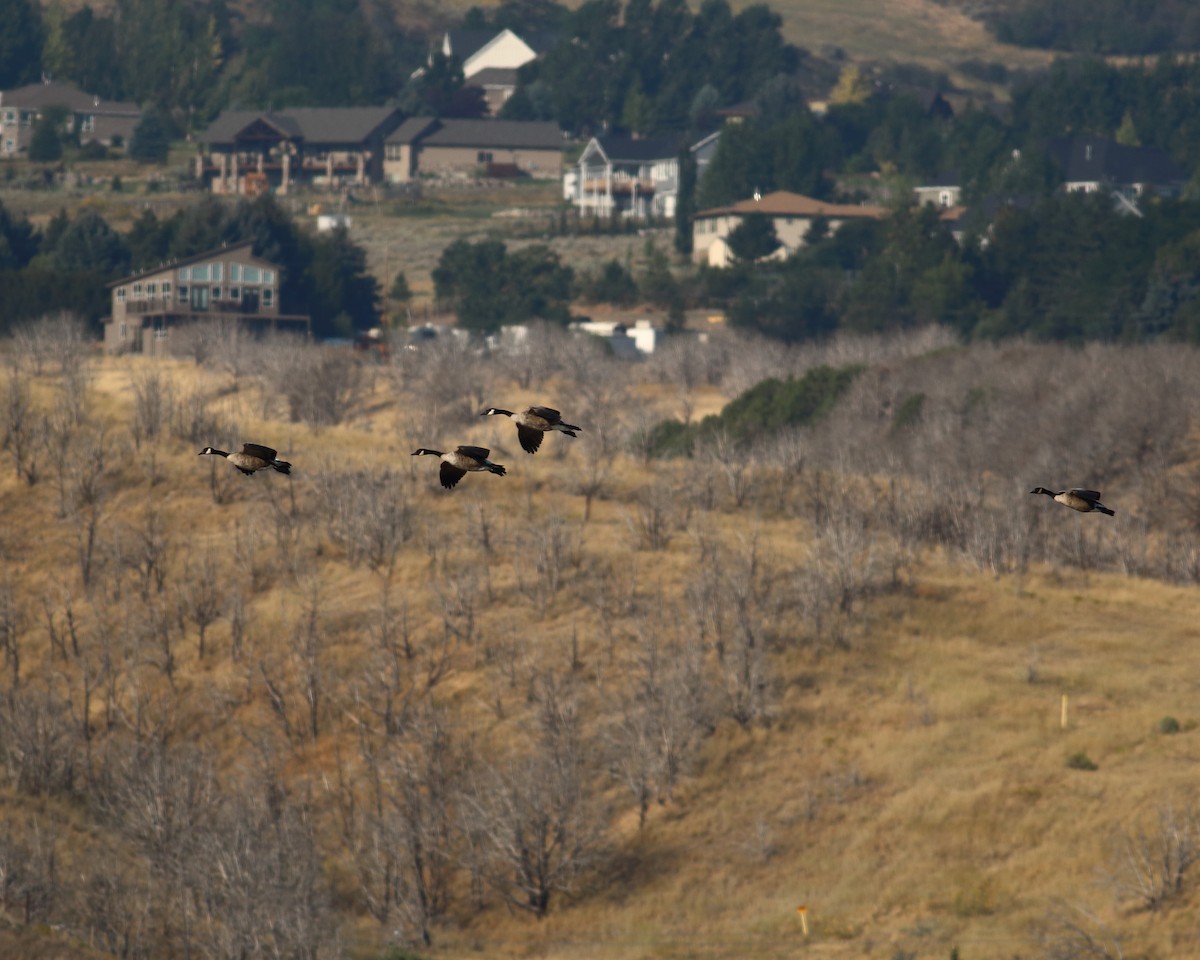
228	287
1092	164
98	121
791	213
248	152
429	146
632	176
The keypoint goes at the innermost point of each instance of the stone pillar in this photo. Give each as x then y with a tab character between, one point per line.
234	164
287	173
361	164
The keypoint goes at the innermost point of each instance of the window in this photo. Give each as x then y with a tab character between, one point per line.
26	118
200	271
217	271
391	151
151	291
122	330
88	124
251	275
166	289
10	146
183	273
183	293
138	293
235	293
268	276
120	294
484	156
216	293
10	116
268	295
235	272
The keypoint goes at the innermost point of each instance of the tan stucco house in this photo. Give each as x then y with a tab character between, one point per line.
98	121
229	286
248	152
792	213
428	146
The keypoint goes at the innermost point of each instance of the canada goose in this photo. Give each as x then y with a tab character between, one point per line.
1085	501
459	462
533	423
251	457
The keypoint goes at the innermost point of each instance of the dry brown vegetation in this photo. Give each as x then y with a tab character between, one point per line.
657	704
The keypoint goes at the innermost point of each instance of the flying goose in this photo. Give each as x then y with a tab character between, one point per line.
533	423
252	457
459	462
1085	501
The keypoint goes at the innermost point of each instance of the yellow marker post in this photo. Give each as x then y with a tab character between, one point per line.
803	911
1062	720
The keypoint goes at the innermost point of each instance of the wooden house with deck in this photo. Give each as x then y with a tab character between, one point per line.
229	286
250	152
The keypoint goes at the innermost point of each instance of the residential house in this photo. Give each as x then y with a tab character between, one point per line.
792	214
1090	164
227	286
632	177
442	148
945	190
96	120
479	50
248	152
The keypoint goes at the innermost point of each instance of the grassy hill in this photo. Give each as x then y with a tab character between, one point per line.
860	669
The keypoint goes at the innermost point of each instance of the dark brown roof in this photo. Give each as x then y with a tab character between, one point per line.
527	134
197	258
311	124
411	129
35	96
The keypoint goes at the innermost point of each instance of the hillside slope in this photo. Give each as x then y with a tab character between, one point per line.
860	724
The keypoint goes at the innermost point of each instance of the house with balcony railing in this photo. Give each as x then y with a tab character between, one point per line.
228	288
631	176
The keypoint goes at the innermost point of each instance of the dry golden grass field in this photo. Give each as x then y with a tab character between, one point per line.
877	730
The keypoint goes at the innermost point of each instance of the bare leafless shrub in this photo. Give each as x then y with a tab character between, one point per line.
13	621
1072	932
201	597
398	821
546	554
319	384
23	424
366	513
537	824
451	380
1148	863
57	340
40	748
190	417
458	600
153	396
259	884
31	880
114	908
656	516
